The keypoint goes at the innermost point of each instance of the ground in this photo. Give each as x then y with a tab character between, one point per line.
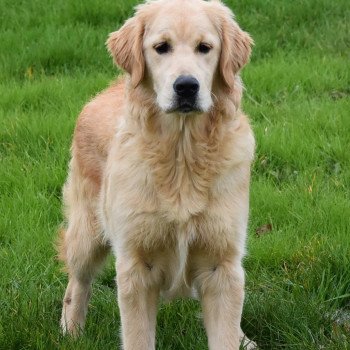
53	60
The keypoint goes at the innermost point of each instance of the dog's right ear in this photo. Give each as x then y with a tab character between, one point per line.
125	46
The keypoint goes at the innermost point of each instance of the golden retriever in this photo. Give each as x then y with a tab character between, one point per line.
160	174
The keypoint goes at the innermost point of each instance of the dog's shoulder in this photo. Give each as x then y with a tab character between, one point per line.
242	138
95	128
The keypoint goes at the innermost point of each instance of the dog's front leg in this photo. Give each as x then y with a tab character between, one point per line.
137	299
221	289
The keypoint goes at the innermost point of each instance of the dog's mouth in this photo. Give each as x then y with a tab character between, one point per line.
185	106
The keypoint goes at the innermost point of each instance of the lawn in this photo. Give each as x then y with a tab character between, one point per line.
53	60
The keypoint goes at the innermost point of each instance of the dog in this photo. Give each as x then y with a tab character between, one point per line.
160	173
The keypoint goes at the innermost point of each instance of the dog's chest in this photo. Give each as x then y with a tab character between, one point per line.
183	174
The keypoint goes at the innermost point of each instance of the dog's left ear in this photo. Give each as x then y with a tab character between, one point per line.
235	43
235	51
125	46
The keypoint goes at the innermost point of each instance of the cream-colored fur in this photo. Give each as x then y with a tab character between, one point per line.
167	191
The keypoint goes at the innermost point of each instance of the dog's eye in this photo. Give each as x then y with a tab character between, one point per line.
162	48
203	48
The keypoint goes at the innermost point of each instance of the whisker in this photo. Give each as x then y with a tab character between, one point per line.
216	98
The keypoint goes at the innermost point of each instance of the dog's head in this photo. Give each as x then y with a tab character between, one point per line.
181	49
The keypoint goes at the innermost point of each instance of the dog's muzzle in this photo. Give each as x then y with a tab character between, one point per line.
186	89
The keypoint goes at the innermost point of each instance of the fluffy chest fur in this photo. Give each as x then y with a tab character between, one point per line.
177	163
184	156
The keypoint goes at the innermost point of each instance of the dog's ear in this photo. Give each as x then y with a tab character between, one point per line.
125	46
235	51
235	43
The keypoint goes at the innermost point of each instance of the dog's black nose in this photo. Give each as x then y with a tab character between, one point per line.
186	86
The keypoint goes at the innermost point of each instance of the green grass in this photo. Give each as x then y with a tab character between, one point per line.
53	60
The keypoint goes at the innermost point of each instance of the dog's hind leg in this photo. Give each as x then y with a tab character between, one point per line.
81	248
